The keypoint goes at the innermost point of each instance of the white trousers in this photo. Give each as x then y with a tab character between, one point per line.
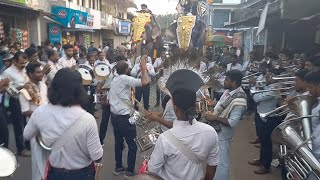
223	169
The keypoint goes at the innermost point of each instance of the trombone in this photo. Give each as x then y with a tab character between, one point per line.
286	89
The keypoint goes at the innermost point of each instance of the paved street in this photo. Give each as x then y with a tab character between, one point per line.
241	152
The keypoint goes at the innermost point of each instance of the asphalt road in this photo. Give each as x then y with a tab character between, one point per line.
241	152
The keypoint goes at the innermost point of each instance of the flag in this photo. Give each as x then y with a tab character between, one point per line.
263	18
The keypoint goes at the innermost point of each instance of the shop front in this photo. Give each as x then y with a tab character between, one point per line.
17	22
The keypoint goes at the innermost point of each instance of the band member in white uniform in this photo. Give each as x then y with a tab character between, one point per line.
32	96
68	60
63	121
120	105
165	119
90	106
18	77
266	102
158	64
313	82
170	159
4	131
234	63
228	112
53	58
145	90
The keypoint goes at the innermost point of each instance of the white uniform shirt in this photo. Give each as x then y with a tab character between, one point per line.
103	61
16	76
65	62
169	163
168	114
52	121
157	63
120	94
245	66
136	72
231	67
26	105
55	67
138	60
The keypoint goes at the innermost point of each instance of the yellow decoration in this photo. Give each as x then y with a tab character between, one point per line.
138	25
184	30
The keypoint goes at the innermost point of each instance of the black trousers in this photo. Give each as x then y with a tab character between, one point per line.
86	173
145	93
158	95
251	104
4	132
122	129
265	130
104	122
89	106
18	123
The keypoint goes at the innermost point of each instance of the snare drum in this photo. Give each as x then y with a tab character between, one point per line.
86	72
101	71
148	139
139	120
8	162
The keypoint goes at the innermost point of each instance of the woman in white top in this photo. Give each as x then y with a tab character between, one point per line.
75	158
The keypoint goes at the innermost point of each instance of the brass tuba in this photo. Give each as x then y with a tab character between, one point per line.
299	160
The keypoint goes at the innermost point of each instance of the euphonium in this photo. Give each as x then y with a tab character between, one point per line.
300	159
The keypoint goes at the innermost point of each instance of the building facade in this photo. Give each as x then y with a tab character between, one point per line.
65	21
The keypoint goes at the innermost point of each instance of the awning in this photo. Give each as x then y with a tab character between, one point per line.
52	20
77	30
18	5
308	18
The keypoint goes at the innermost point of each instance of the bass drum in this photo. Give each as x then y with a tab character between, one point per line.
8	162
101	71
86	74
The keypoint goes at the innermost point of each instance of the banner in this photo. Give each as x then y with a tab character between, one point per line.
54	33
237	39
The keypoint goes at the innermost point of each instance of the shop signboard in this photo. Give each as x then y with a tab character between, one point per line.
19	1
69	17
90	21
54	33
63	15
81	19
124	27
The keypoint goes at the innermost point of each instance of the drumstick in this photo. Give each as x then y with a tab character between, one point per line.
139	103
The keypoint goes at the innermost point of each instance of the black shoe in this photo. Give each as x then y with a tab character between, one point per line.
129	174
119	171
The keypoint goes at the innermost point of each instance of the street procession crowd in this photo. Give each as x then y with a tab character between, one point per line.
49	94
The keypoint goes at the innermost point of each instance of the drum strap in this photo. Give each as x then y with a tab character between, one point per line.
70	132
182	147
